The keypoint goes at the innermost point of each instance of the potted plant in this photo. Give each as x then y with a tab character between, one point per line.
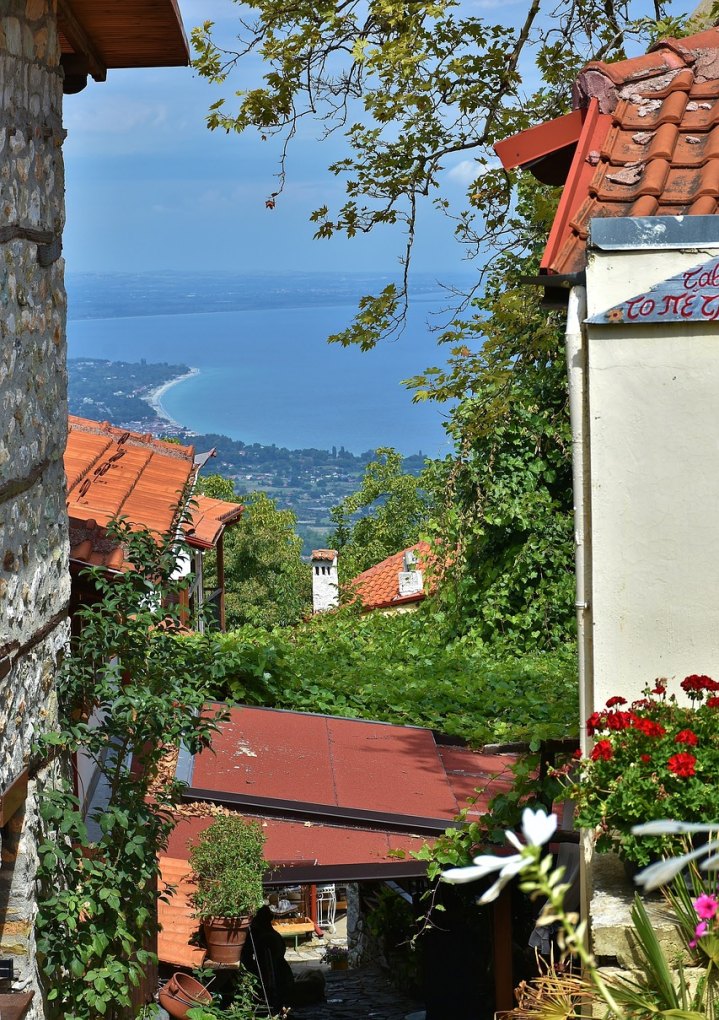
337	957
652	759
228	866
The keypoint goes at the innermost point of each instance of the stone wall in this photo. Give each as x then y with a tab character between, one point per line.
34	578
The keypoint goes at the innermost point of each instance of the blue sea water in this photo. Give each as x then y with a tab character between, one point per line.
266	372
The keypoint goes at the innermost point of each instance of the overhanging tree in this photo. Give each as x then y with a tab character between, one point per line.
412	86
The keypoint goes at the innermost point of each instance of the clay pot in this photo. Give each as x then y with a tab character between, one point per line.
225	937
182	993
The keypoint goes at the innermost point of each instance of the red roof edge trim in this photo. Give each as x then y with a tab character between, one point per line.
596	126
541	140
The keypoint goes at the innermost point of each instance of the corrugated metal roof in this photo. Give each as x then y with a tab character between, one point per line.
378	587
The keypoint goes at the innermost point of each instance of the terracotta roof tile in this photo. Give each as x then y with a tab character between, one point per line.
378	587
649	145
112	472
324	554
209	518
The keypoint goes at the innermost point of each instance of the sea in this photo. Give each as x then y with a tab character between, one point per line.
266	373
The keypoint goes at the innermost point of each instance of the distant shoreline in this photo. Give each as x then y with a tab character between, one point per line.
154	397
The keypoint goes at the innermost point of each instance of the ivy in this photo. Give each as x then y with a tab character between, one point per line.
125	700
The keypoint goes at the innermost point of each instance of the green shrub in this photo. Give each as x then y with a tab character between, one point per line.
228	864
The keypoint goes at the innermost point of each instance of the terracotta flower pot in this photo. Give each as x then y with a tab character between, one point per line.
225	937
182	993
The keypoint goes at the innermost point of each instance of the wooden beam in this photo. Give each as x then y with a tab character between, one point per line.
79	40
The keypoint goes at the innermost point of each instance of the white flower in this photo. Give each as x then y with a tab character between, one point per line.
537	829
664	871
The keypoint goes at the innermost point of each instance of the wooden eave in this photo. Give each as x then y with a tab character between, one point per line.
97	35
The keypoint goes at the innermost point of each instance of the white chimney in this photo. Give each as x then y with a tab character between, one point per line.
325	580
410	579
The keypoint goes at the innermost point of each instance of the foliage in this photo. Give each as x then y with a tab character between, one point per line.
657	988
217	487
228	865
392	924
414	88
400	669
267	583
99	873
243	1006
654	759
335	954
385	515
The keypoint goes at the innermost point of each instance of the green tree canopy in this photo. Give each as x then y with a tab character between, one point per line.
412	88
386	514
266	582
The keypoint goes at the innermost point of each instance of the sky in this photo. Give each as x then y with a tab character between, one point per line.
149	187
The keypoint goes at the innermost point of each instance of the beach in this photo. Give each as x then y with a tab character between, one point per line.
154	397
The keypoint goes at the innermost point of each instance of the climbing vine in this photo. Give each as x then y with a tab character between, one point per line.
126	699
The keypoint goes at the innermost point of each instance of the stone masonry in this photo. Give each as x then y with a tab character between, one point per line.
34	577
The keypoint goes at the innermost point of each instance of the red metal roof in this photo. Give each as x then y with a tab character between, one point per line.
648	147
209	518
374	775
112	472
327	761
378	587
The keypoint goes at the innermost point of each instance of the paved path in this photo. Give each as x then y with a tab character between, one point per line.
359	995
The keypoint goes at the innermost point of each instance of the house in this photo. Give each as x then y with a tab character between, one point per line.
397	584
634	251
111	473
47	48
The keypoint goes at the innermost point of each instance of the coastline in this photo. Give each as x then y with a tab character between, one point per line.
154	397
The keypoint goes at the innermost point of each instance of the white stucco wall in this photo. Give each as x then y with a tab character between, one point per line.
653	417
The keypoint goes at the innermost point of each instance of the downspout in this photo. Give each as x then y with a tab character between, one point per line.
579	417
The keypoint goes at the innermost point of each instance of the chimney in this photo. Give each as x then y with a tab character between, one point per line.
410	579
325	580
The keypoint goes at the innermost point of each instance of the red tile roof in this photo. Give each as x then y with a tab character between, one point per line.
649	144
112	472
378	587
209	518
324	555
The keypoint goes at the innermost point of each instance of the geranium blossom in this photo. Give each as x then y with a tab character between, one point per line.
648	727
687	737
616	700
602	749
682	764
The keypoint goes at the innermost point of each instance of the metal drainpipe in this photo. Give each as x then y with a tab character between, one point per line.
579	417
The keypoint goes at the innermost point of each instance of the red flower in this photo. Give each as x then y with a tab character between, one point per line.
646	757
682	764
616	700
648	727
602	750
595	722
712	702
619	720
687	737
660	688
695	683
577	754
